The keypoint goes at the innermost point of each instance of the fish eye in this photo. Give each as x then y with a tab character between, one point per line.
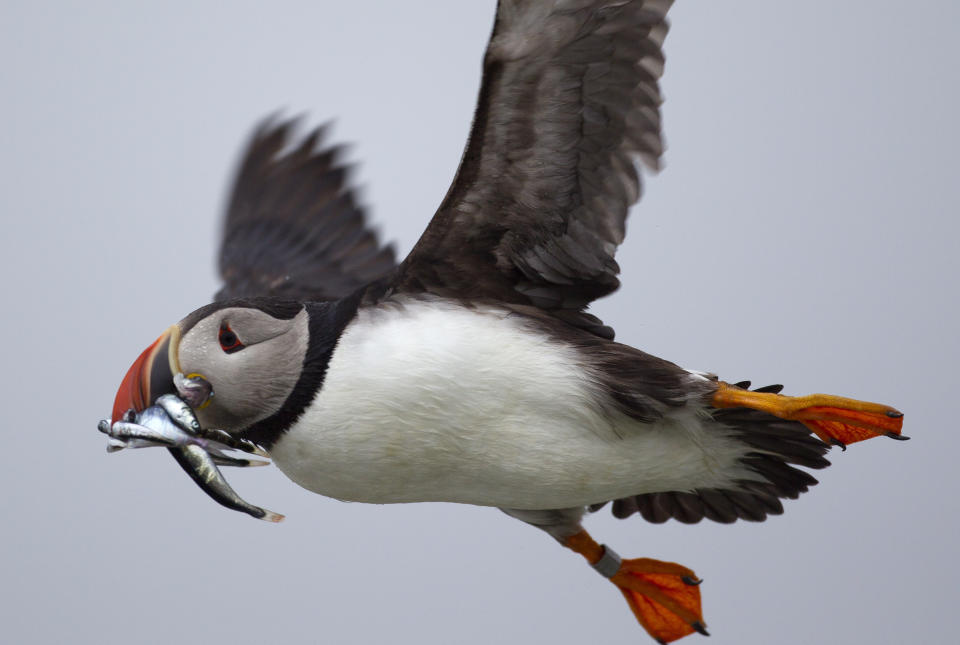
229	341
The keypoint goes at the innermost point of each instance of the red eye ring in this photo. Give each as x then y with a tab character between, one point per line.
229	341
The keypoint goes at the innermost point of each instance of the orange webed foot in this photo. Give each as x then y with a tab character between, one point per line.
834	419
664	596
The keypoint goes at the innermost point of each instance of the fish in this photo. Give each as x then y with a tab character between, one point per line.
179	412
171	423
200	465
182	414
221	459
152	427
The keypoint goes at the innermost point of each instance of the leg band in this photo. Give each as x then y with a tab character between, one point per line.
608	564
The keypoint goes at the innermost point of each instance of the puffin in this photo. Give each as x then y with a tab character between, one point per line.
472	371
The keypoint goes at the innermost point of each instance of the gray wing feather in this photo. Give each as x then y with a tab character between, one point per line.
569	102
292	227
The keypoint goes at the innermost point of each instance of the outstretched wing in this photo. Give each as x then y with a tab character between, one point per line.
292	227
569	102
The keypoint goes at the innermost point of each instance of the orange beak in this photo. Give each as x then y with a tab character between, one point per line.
150	376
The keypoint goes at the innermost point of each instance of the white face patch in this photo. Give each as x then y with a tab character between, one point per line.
251	383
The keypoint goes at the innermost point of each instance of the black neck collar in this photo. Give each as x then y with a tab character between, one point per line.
326	321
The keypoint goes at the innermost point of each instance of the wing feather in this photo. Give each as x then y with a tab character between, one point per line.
293	228
568	104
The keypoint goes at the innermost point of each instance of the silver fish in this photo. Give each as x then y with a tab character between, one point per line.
182	414
179	412
172	424
152	428
200	465
231	442
221	459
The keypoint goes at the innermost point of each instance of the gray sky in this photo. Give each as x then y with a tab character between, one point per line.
803	232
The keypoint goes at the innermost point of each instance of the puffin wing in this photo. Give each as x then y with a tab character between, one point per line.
569	102
292	227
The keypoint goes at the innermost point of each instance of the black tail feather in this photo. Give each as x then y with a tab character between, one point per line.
778	446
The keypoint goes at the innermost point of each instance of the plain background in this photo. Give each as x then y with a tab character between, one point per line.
804	231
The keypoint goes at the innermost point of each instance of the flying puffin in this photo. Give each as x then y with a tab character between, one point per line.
472	372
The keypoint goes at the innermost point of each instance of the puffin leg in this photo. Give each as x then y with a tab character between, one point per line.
834	419
664	596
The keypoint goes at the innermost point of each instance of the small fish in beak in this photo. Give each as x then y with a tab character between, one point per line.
172	424
201	467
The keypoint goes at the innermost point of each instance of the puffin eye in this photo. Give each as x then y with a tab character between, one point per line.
229	341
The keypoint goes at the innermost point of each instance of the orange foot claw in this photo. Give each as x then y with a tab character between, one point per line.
664	596
662	599
834	419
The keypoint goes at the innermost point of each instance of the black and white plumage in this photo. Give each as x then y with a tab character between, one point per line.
472	371
523	241
343	354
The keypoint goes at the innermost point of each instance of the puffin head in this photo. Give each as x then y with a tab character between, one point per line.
235	363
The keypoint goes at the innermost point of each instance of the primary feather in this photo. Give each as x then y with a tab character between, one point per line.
293	228
568	103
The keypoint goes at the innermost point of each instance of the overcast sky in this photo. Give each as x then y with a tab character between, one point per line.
804	231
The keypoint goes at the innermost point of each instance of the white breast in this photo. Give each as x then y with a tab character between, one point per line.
432	401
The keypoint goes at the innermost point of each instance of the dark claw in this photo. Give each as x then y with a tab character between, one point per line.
700	628
898	437
770	389
661	641
130	416
216	434
103	426
690	580
243	445
248	446
837	442
893	414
